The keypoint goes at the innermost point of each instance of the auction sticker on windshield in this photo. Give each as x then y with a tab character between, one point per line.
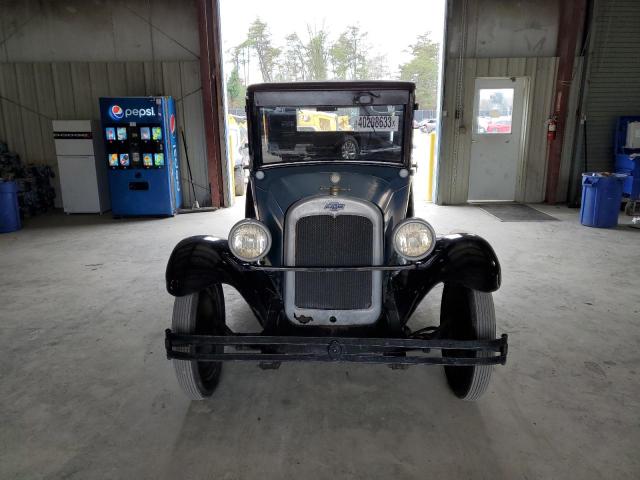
376	123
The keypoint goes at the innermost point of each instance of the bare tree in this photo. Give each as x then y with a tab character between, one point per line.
317	53
259	39
294	60
349	55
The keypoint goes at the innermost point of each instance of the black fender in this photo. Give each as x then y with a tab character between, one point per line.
461	258
201	261
468	260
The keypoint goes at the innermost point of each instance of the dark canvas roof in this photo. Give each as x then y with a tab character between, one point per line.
333	85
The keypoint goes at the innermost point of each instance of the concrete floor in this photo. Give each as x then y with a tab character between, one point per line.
86	391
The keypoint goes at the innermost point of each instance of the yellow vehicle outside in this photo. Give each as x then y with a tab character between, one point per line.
315	121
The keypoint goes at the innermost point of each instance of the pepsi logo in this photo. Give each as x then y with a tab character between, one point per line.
116	112
172	123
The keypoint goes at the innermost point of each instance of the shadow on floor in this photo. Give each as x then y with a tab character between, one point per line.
332	421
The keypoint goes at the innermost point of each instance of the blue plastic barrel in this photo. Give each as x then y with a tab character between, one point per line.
601	198
9	209
629	164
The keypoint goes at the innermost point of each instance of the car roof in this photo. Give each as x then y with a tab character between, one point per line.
334	85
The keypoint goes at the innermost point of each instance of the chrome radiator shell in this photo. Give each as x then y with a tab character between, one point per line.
326	307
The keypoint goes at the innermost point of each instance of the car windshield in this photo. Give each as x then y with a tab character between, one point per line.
332	133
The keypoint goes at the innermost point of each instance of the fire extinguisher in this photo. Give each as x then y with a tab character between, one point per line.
552	128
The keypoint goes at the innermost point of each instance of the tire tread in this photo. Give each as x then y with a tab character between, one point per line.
476	310
484	319
183	321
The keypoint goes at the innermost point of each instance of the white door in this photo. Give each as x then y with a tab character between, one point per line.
496	138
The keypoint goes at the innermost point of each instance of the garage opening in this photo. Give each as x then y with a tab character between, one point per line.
263	44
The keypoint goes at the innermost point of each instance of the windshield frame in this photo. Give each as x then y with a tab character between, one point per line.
331	94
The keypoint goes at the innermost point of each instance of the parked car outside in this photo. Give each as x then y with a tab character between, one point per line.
238	152
429	125
499	126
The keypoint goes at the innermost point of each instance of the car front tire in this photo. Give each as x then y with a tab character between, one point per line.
467	314
199	313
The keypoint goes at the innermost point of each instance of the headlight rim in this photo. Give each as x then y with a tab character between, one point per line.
250	221
422	222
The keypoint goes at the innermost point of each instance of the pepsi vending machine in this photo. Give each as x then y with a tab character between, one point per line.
142	155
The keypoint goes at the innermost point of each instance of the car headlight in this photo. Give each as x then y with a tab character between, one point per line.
414	239
249	240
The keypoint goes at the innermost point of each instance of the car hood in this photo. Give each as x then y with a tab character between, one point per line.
283	186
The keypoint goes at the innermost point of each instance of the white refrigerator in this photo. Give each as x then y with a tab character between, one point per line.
82	166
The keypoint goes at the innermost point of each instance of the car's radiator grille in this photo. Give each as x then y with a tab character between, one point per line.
325	240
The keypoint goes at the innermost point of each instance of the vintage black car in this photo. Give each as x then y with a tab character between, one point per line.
330	258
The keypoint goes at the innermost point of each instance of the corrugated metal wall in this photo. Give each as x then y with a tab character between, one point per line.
34	94
453	168
613	87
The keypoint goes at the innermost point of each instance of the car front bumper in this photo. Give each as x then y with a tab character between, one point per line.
392	351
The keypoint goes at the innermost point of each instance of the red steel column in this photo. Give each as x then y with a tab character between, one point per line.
211	79
572	17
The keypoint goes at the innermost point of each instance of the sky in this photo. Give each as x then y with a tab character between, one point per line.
392	24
